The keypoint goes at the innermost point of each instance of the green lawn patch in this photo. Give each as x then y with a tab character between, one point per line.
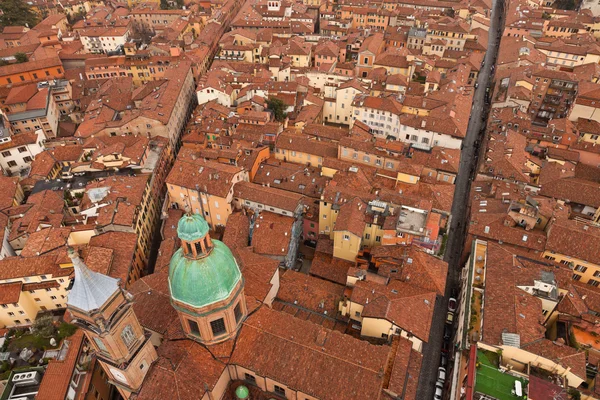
29	341
491	381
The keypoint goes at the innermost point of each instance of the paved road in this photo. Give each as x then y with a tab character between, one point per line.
460	216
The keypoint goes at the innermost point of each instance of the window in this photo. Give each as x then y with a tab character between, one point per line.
580	268
250	378
237	312
6	154
346	237
194	328
378	238
218	327
100	344
22	149
594	282
279	390
28	159
53	297
11	314
127	336
576	277
12	164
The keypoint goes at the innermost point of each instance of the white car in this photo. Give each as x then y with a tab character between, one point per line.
452	304
441	375
439	390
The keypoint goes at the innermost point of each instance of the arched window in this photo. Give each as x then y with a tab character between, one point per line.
127	336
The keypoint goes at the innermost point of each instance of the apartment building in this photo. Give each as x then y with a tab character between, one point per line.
204	187
302	149
124	204
30	285
19	151
162	110
381	114
32	71
574	244
104	39
30	109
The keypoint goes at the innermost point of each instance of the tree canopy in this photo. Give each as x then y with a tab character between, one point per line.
278	107
17	13
21	57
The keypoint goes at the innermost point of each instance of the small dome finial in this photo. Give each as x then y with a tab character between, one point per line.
188	209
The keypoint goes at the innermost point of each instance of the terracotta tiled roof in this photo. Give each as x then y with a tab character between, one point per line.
20	267
406	370
123	245
325	266
566	356
270	197
507	307
309	292
205	176
184	370
273	344
57	378
405	305
9	187
10	292
573	239
415	266
45	240
272	234
352	218
152	302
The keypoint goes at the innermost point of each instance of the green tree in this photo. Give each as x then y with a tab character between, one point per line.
164	5
17	13
44	326
21	58
278	107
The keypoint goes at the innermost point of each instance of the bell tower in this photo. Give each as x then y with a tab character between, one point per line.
104	310
206	284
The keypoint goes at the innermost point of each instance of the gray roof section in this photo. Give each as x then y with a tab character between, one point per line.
91	289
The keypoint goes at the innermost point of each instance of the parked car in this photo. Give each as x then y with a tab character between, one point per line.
454	293
447	331
439	390
446	347
450	318
452	304
441	374
444	361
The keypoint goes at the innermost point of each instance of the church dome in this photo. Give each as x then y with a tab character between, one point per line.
203	281
192	227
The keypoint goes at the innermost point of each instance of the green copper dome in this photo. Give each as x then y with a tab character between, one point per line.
203	281
192	227
242	392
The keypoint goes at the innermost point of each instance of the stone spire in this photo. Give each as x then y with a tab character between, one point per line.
91	289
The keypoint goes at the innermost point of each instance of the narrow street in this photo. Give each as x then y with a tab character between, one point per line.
460	217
